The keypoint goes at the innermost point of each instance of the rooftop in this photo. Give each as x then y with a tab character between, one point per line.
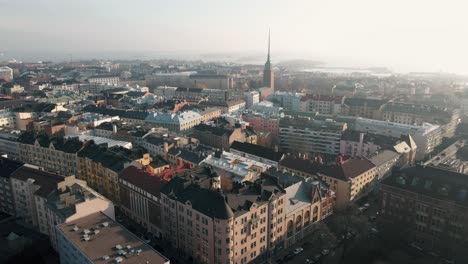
257	150
143	179
47	181
432	182
8	166
103	240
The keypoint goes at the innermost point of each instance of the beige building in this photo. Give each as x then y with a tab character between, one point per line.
71	200
349	179
98	239
310	201
51	153
231	228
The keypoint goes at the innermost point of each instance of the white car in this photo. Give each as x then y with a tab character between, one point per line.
298	250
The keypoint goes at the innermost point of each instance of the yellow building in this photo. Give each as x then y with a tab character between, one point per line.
100	167
349	179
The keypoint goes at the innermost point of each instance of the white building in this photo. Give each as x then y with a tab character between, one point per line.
6	73
104	79
426	137
7	118
177	122
235	168
251	98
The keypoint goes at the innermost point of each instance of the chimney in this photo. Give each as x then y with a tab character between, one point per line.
339	160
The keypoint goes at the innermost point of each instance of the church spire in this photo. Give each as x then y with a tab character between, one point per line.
268	56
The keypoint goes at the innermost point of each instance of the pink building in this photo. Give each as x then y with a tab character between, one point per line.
262	123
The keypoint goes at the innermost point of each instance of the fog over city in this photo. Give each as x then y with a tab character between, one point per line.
402	35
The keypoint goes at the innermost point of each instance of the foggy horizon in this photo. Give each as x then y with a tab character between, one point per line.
415	36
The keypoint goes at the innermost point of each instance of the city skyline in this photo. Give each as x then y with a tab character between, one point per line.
403	36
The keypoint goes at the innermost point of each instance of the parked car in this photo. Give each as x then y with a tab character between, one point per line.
366	205
325	252
317	257
309	261
298	250
372	218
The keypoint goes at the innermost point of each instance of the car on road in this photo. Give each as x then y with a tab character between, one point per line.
288	257
374	230
317	257
298	250
362	209
366	205
372	218
325	252
415	246
309	261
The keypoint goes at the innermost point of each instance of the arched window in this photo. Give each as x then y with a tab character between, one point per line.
290	228
306	218
315	214
298	223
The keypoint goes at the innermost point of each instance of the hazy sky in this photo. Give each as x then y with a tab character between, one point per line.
403	34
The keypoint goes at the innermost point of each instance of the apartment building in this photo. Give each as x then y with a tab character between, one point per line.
189	156
264	123
256	152
232	228
104	79
322	104
97	238
31	186
350	179
9	142
234	169
7	118
288	101
140	198
310	201
100	167
212	81
426	137
427	206
136	118
71	200
304	135
364	107
219	137
251	98
177	122
6	73
55	154
8	167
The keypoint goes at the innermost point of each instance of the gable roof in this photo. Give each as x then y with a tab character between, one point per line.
46	180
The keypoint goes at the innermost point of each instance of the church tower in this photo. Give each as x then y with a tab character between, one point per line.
268	75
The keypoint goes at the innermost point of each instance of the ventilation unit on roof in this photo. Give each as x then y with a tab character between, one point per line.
105	257
86	231
96	232
118	247
122	252
118	259
75	228
129	247
105	224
